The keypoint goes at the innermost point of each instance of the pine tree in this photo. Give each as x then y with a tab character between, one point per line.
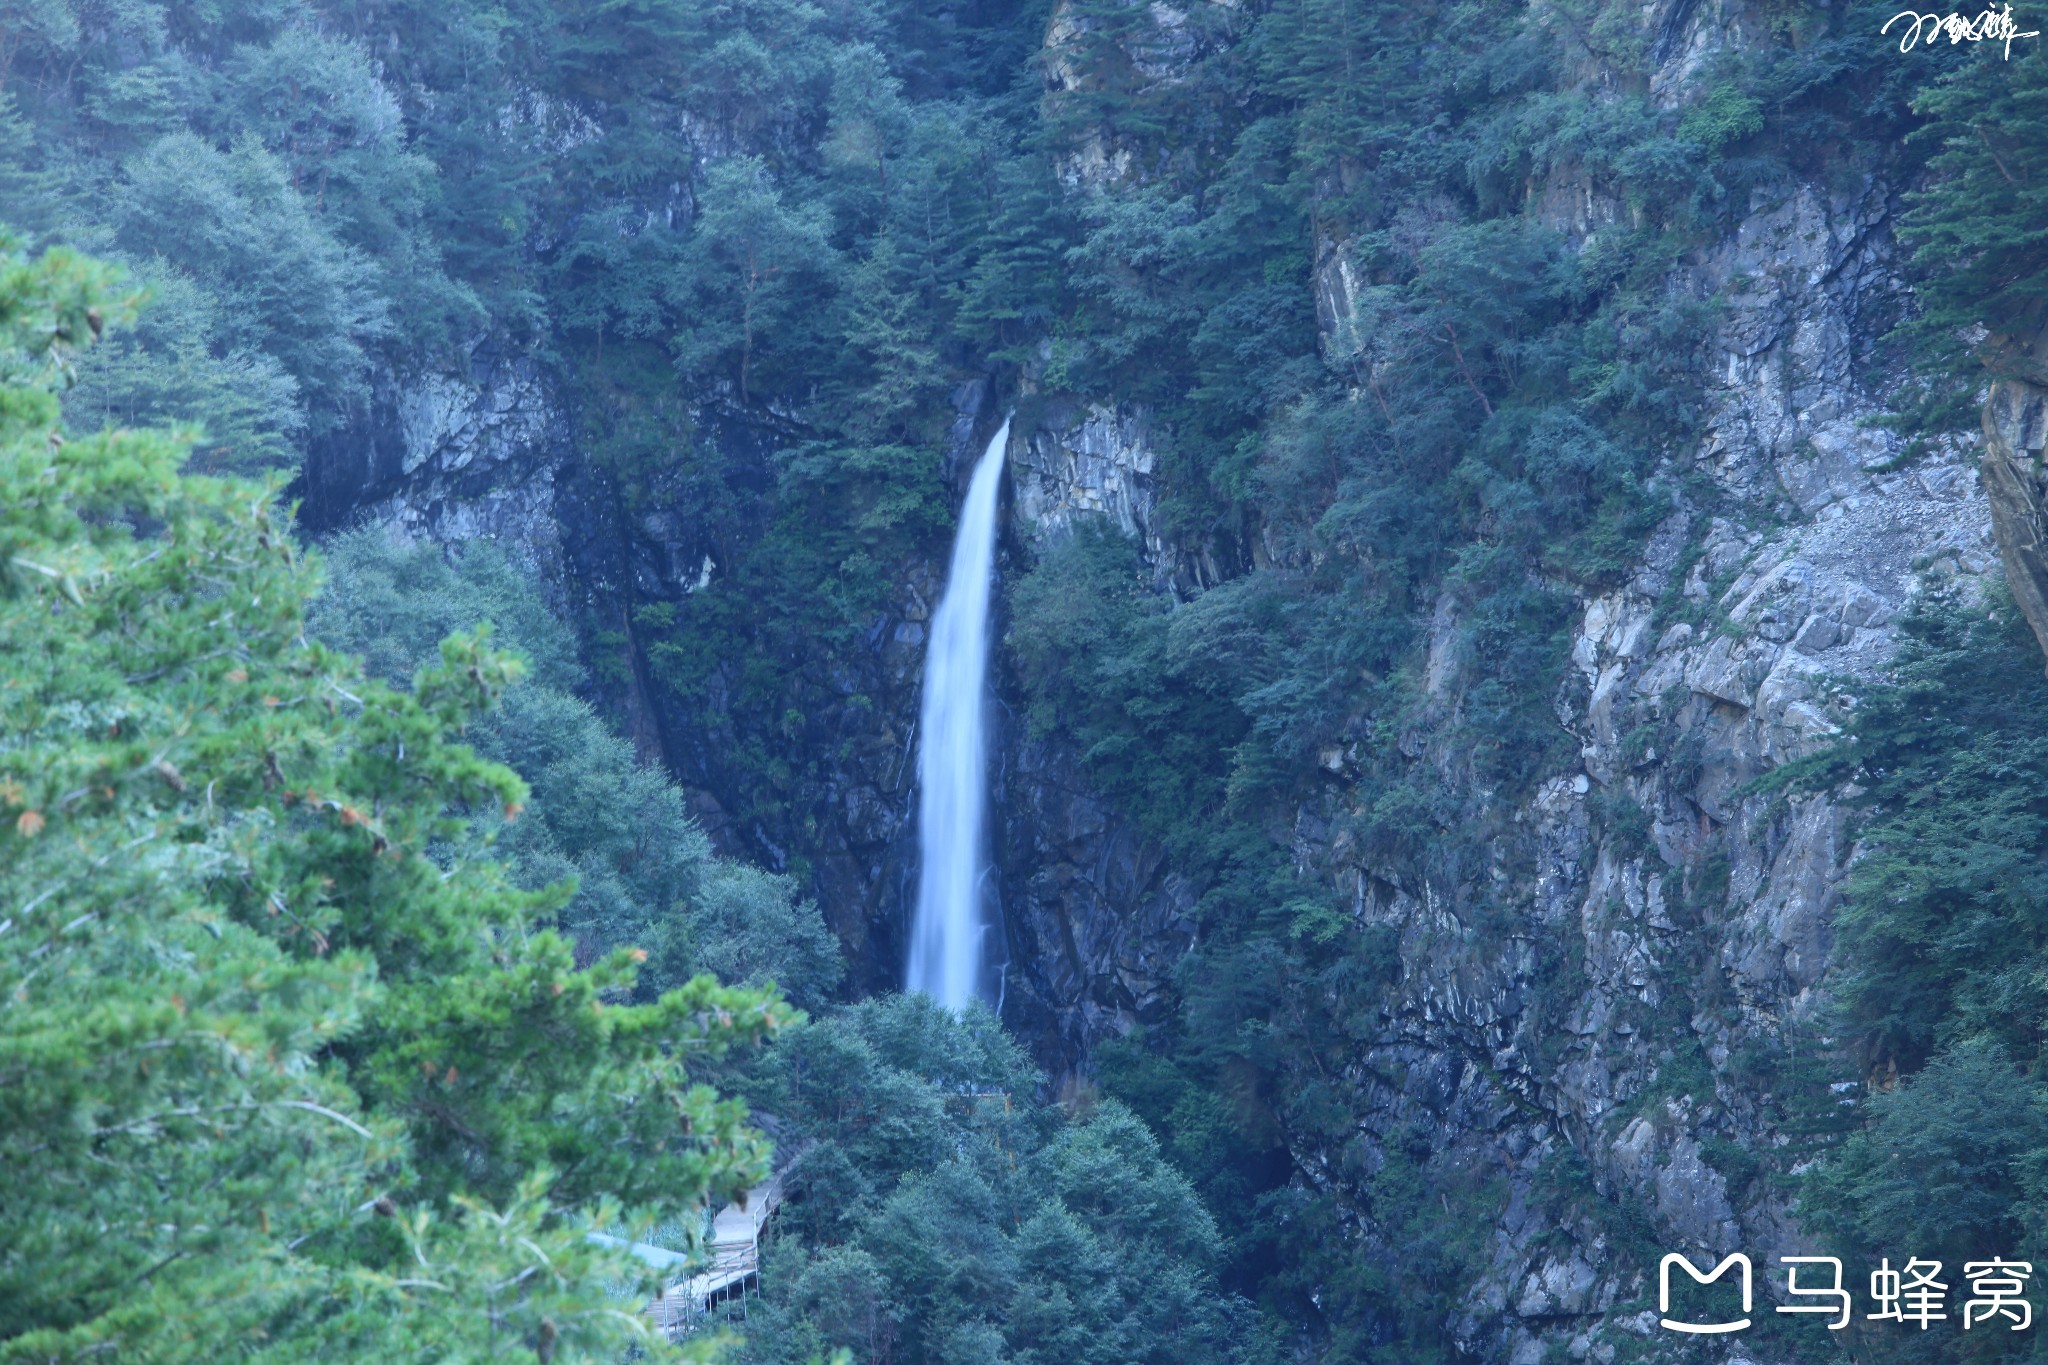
888	330
278	1073
758	285
1013	293
1980	228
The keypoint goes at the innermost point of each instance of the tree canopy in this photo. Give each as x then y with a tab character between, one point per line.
289	1067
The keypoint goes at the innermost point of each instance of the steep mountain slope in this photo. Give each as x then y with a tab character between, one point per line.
1576	1037
1461	470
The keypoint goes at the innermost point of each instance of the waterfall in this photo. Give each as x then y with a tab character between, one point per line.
952	761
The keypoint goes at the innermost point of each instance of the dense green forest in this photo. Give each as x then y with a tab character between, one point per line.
376	969
919	1231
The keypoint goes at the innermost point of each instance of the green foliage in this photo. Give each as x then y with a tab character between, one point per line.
757	243
168	368
757	273
285	1073
1977	228
1098	653
281	284
1943	926
753	928
1950	1163
942	1214
391	603
1724	115
644	874
1948	1166
1941	950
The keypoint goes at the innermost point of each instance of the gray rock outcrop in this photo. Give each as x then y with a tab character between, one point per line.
2016	481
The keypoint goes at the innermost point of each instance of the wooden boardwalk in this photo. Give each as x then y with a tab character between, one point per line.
735	1264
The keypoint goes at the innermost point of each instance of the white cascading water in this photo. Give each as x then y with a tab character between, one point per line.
952	762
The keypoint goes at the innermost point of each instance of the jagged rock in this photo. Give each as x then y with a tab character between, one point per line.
2016	485
1724	920
1095	916
1097	463
471	453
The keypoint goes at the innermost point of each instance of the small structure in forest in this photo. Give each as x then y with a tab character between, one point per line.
735	1264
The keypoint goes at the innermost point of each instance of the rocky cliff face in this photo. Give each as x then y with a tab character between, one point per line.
1670	927
2015	478
1096	917
1655	965
452	455
1652	958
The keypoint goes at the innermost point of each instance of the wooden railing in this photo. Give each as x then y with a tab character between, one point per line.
735	1264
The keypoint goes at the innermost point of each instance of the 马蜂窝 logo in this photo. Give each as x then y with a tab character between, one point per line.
1736	1259
1913	1295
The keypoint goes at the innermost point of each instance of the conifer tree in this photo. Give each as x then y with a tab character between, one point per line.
1980	227
279	1074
